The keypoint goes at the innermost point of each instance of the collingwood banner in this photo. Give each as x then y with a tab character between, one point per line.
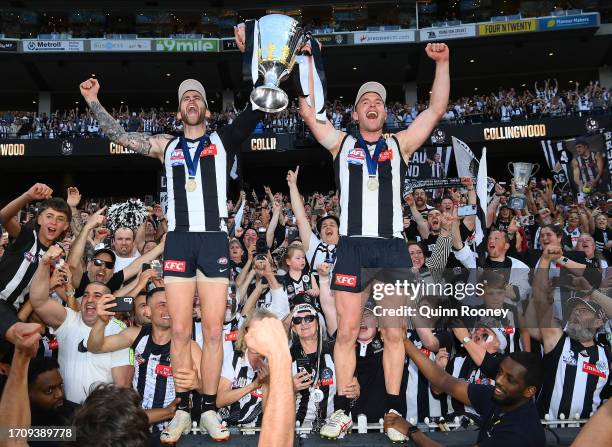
582	164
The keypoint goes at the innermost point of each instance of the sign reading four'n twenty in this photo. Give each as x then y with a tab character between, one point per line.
515	26
187	45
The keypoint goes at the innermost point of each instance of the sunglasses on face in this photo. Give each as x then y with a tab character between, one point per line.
107	264
307	319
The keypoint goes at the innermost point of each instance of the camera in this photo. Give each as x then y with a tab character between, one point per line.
261	246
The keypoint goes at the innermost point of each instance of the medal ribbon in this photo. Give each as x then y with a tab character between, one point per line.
192	164
372	160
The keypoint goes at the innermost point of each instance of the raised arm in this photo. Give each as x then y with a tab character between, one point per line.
152	146
542	300
135	266
422	224
327	299
417	133
324	132
97	342
297	207
438	378
273	223
77	249
39	191
50	311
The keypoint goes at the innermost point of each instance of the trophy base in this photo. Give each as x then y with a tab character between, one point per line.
270	99
517	202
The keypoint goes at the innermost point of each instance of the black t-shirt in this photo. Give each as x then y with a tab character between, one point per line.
520	426
113	284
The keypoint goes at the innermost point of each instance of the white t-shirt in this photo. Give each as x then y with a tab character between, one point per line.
80	370
122	263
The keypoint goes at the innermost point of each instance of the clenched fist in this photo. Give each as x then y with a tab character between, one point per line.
89	89
39	191
438	52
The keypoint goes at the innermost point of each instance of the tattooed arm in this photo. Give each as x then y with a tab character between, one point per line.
152	146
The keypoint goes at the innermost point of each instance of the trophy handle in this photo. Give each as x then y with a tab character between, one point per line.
536	168
511	169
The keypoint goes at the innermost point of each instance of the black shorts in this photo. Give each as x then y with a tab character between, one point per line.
185	253
360	260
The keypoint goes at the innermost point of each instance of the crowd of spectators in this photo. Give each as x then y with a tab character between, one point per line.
546	100
569	242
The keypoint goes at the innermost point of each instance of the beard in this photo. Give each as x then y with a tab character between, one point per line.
190	120
580	333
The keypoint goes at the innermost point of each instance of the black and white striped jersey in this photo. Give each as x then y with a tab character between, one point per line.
153	378
18	265
308	411
420	401
248	409
365	211
574	379
318	252
204	208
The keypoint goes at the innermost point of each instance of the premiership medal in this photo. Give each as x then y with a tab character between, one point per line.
317	395
192	163
191	185
372	160
372	183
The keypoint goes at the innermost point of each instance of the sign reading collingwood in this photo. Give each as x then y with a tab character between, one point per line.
187	45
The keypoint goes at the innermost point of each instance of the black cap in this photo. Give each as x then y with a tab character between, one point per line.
581	141
323	218
105	250
302	298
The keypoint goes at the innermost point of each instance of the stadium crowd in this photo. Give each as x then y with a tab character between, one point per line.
282	250
546	100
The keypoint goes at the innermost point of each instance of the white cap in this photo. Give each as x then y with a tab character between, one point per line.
189	85
374	87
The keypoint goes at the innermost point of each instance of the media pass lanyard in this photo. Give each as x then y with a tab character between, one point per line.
372	160
192	164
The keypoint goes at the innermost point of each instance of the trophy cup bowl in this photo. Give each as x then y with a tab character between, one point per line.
521	172
280	38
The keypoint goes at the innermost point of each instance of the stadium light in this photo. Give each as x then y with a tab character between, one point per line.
472	61
551	54
354	68
168	75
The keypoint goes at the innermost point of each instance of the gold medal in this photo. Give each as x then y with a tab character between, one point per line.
372	183
191	185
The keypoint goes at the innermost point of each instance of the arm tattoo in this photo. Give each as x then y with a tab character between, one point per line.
136	141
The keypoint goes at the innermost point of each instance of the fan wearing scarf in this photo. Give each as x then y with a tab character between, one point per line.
369	174
196	257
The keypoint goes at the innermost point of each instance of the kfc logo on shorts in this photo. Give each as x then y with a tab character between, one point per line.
345	280
163	370
174	266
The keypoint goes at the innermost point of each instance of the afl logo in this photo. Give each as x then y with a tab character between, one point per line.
67	147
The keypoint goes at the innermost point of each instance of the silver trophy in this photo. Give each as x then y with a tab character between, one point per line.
280	38
521	172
